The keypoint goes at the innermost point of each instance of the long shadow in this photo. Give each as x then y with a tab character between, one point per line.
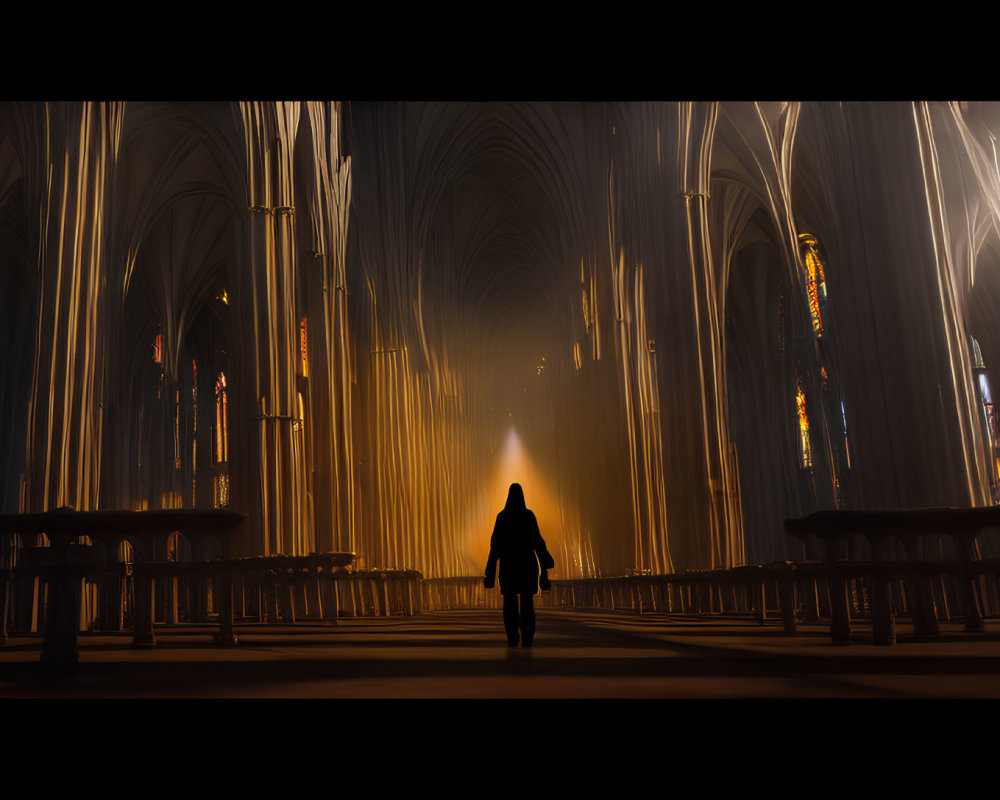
555	635
173	676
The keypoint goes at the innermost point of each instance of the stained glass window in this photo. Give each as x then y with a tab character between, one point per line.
221	434
815	281
805	449
304	347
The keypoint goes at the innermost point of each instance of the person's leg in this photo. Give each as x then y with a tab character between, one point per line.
510	617
527	619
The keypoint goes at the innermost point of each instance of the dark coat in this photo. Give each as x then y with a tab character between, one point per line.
518	546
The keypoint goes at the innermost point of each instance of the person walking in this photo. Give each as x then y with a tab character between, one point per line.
518	546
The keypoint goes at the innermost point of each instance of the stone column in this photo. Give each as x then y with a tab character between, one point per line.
329	195
697	130
69	151
269	133
955	373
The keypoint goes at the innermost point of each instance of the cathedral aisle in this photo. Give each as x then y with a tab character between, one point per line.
463	655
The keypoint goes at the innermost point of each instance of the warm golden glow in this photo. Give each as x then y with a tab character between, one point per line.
177	429
221	434
815	281
805	447
221	499
304	347
516	466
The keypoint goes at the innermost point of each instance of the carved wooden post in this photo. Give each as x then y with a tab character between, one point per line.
290	583
142	628
224	581
920	596
760	600
883	624
966	547
272	599
331	608
408	597
357	609
5	592
62	611
786	590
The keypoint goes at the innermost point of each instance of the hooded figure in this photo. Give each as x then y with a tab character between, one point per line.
517	544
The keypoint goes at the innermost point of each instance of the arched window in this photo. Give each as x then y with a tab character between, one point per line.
177	428
221	434
805	448
194	433
815	280
178	547
304	347
221	499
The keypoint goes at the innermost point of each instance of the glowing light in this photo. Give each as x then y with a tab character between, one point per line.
171	499
194	396
221	499
847	447
223	297
514	465
177	429
815	281
158	348
805	447
304	347
984	388
194	433
221	434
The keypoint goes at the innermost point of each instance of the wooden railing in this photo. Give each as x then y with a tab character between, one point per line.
793	592
441	594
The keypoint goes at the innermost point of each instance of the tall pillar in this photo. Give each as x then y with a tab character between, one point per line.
69	152
958	386
696	134
329	196
269	134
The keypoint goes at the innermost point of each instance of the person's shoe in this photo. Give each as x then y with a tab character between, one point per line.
526	643
512	642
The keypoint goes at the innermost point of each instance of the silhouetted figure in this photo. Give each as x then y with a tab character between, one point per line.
518	546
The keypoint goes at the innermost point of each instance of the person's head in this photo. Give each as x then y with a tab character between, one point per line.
515	498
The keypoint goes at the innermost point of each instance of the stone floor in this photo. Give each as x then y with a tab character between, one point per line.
583	655
588	671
